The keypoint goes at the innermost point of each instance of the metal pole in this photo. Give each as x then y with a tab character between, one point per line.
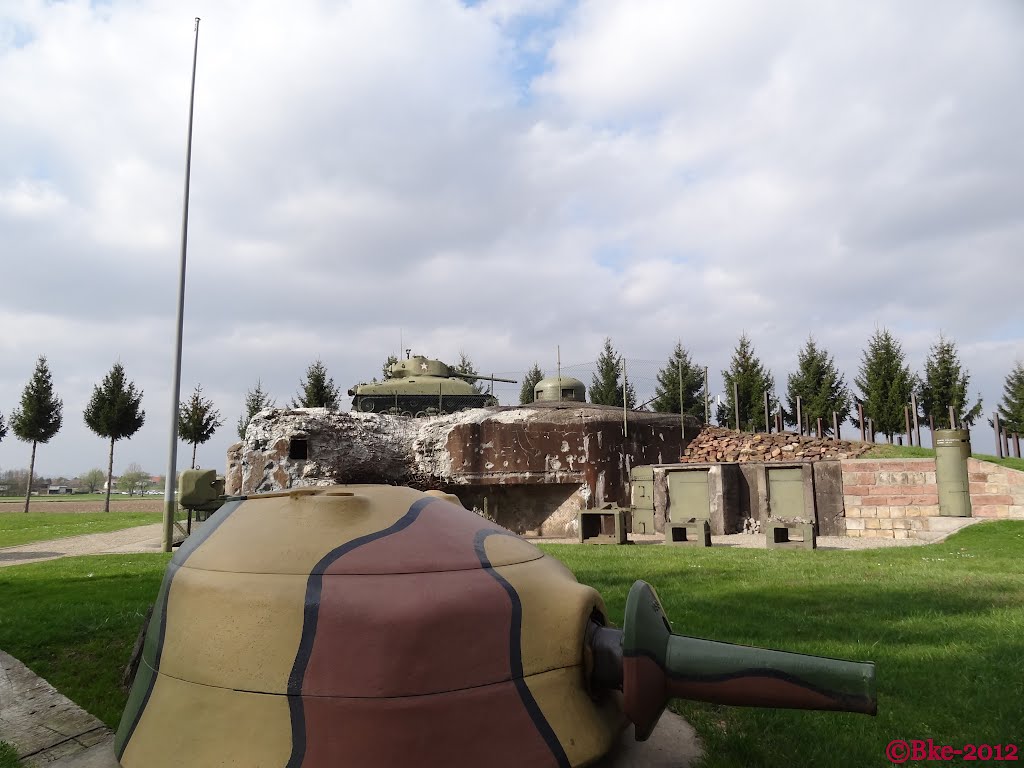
558	352
682	419
707	396
917	424
172	453
799	416
625	405
736	403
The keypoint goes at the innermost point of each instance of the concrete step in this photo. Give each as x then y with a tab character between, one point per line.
938	528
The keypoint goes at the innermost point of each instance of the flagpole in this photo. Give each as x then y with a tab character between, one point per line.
172	460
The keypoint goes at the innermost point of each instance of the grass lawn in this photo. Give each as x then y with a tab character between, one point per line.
24	528
74	620
886	451
944	624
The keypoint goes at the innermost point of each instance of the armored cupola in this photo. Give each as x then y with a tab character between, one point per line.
560	388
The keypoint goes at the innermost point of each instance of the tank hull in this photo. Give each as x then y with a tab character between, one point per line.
420	405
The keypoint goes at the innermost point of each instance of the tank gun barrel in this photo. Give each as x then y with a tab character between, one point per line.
479	377
652	665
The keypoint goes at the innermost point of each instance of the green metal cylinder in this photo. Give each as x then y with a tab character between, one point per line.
952	449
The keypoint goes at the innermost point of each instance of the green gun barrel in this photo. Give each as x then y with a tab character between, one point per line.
654	665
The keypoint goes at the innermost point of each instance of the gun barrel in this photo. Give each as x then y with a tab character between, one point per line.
653	665
478	377
742	676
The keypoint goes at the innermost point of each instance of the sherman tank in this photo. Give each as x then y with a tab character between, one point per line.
420	386
381	626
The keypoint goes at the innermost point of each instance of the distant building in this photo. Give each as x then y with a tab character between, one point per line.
55	490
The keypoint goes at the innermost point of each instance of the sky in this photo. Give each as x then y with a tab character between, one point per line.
512	180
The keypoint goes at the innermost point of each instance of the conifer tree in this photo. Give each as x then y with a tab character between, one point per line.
1011	410
606	384
667	390
945	384
465	365
114	411
885	383
255	401
530	381
318	391
40	416
197	421
752	380
820	387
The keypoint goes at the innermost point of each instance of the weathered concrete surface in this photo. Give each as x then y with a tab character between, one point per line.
528	468
674	744
45	727
828	498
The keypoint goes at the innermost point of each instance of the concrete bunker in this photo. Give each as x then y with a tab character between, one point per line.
529	468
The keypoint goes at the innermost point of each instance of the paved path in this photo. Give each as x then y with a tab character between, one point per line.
142	538
45	727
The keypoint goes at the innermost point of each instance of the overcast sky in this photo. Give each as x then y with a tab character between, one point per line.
500	178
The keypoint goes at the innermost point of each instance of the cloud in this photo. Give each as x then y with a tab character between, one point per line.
499	178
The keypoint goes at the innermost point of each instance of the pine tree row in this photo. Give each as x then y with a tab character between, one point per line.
114	412
884	385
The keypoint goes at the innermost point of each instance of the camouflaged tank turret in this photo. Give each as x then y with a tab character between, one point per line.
380	626
420	386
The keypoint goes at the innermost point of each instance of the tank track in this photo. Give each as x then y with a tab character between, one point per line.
420	405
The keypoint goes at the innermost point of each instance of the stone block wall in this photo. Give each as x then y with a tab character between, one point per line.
890	498
996	492
897	498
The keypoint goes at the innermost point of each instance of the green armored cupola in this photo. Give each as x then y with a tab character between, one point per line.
560	388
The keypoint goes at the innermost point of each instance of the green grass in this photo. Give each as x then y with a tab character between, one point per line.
1008	461
74	620
24	528
944	624
886	451
8	757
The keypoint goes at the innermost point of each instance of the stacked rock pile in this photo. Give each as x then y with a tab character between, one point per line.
715	444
